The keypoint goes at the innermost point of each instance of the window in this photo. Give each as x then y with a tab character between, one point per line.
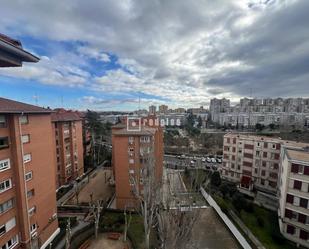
12	242
303	235
297	184
300	169
28	176
131	139
303	203
131	161
27	158
23	119
274	146
290	229
296	201
2	121
6	205
25	138
33	228
4	164
32	211
4	142
30	193
5	185
145	139
131	171
289	198
2	230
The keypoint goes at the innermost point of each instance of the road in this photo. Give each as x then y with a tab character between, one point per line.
172	161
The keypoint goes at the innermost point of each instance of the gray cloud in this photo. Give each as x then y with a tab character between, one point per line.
185	51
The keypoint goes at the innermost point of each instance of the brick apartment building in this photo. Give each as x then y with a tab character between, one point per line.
131	151
252	161
28	213
293	208
67	128
276	172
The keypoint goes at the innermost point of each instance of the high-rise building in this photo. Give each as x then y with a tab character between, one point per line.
152	110
163	109
67	127
28	212
132	150
293	208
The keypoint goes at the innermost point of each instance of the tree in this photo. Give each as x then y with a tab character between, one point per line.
215	179
96	209
272	126
68	234
259	127
200	122
127	223
147	194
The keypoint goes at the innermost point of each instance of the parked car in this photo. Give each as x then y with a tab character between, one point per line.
208	167
219	160
183	156
213	160
203	159
192	162
208	159
214	167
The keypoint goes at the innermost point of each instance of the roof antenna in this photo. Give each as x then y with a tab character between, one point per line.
61	101
36	99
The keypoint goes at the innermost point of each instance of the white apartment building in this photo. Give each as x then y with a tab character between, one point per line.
293	211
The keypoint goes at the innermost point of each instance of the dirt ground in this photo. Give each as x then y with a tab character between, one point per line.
103	242
98	186
210	232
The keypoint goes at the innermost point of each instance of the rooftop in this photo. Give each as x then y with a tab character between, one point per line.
145	131
62	115
298	154
12	54
12	106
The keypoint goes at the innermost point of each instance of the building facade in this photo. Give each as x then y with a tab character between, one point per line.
152	110
163	109
252	161
132	150
67	129
28	211
293	211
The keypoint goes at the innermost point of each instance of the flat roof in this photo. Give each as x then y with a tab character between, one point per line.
298	155
145	131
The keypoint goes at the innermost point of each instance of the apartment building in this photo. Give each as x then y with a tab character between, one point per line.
152	110
252	161
293	211
132	150
163	109
67	129
28	212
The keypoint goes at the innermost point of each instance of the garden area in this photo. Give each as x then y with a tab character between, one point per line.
261	222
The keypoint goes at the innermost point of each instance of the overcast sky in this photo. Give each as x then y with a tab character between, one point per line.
108	54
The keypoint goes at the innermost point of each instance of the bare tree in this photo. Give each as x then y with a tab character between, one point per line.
127	223
68	235
146	188
95	209
77	189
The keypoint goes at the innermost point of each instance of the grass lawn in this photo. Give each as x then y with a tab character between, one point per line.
268	233
114	222
261	222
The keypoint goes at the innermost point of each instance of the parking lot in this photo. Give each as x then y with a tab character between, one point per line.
183	161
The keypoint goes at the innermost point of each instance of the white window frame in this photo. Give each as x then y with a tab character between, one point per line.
27	158
131	161
23	119
23	137
5	187
296	201
2	120
5	161
33	228
7	205
3	226
30	173
32	211
14	242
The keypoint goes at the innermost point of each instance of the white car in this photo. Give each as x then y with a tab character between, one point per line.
213	160
203	159
208	159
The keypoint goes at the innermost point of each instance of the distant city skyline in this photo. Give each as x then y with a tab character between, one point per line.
108	55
